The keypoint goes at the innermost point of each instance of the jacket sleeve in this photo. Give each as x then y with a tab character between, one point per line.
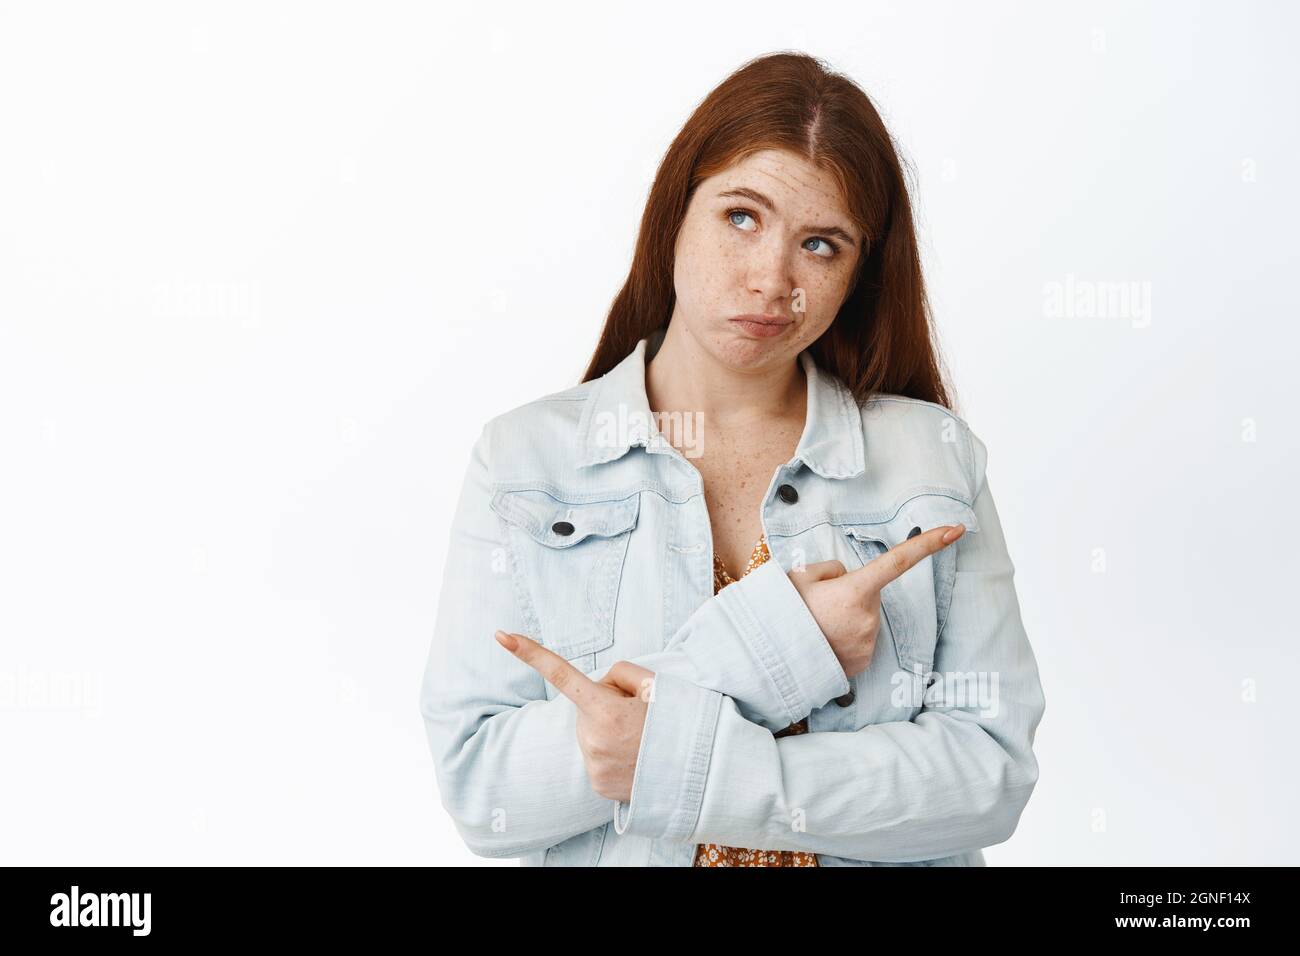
954	778
507	762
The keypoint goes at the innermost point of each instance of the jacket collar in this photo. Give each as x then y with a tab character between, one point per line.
616	416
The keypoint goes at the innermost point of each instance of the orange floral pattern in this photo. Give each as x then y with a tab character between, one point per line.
714	854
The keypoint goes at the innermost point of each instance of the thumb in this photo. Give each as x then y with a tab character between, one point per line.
632	679
820	571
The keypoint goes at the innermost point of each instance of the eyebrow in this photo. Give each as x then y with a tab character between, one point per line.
742	192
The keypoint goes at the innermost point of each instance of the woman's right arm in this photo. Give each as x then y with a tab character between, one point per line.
507	762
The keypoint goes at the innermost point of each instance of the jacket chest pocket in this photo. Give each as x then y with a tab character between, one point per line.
567	561
916	604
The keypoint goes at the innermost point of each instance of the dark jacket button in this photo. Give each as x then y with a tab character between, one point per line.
846	699
562	527
787	494
914	532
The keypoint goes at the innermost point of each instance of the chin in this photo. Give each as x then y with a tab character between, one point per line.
742	352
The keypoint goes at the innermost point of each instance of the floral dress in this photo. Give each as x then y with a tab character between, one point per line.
713	854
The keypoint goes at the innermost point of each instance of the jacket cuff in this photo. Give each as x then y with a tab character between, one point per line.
784	637
671	766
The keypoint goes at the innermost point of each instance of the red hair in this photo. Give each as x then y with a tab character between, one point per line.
881	340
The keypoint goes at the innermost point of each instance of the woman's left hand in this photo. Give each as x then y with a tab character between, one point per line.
611	711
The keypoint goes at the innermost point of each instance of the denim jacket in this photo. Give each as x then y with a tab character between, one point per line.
579	525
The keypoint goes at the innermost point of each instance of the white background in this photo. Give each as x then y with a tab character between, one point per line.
265	270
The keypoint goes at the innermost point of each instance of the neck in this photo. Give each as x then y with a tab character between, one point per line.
685	377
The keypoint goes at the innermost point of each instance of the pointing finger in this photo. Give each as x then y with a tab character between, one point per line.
891	565
558	672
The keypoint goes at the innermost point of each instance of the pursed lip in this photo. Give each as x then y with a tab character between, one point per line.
762	319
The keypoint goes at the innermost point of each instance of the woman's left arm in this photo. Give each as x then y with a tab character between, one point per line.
955	778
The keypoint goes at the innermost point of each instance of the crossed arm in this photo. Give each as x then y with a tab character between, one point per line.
749	661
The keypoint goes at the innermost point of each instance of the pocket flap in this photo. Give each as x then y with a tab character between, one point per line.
556	523
916	604
925	512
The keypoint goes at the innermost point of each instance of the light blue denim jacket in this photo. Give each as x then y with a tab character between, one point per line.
580	526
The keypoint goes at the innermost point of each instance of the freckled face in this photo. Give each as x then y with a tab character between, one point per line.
769	236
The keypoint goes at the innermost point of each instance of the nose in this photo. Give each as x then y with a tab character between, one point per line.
769	270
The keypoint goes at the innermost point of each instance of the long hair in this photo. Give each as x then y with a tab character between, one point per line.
881	340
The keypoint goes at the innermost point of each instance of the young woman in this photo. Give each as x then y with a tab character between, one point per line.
749	591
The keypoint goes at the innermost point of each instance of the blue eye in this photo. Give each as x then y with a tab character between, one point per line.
827	243
731	217
737	217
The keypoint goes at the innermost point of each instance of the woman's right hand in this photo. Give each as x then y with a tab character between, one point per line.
846	604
